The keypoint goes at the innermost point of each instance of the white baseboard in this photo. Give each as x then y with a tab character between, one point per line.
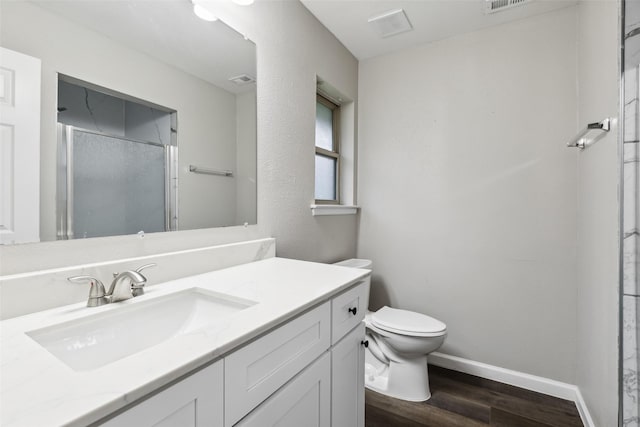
515	378
583	410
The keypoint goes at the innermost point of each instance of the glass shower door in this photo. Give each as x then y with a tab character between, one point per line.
114	185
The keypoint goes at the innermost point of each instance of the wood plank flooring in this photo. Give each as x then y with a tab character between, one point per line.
462	400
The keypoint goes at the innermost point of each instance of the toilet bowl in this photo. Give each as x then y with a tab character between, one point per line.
396	358
399	342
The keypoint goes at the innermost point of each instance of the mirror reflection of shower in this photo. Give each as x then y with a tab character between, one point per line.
117	163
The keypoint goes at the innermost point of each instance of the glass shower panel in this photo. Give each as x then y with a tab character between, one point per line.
118	186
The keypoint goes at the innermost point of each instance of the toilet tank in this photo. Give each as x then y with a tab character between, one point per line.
356	263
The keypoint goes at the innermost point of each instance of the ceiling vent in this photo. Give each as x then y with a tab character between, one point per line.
242	79
493	6
391	23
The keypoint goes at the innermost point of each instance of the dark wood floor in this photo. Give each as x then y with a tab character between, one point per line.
461	400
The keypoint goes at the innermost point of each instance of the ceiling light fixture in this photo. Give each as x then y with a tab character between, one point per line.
243	2
203	13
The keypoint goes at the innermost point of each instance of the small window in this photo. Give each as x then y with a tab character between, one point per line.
327	151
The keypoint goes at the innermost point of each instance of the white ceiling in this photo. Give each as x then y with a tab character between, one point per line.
168	31
431	19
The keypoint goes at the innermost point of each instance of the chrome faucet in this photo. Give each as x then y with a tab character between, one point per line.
125	285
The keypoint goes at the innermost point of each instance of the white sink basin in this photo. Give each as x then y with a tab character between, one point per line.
94	341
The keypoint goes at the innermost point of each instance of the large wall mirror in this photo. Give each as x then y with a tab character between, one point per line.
147	118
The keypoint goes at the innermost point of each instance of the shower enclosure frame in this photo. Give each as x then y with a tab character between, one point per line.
65	174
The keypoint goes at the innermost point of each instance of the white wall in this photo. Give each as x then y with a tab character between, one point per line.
31	30
292	48
468	192
597	332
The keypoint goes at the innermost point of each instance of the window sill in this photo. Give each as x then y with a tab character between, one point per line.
318	210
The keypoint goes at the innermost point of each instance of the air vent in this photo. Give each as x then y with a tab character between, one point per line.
242	79
391	23
493	6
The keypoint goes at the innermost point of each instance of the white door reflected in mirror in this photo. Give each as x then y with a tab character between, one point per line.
19	148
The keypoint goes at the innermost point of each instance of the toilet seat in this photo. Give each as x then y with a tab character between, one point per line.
408	323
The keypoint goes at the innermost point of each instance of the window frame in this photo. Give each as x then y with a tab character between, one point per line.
335	153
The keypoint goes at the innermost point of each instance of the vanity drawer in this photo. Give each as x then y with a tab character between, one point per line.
348	309
258	369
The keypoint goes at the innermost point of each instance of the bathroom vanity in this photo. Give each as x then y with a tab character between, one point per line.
270	342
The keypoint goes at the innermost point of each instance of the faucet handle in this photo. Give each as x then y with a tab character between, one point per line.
139	269
97	294
152	264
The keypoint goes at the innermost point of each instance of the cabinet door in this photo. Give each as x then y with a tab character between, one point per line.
196	401
304	401
257	370
347	380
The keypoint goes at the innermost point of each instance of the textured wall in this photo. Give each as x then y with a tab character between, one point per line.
468	192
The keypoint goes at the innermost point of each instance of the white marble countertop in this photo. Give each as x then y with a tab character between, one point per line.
37	389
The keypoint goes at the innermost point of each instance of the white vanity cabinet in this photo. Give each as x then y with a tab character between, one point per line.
329	392
265	343
193	402
307	372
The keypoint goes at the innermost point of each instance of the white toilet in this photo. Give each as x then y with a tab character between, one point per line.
399	341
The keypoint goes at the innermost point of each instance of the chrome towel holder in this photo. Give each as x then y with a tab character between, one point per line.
581	141
207	171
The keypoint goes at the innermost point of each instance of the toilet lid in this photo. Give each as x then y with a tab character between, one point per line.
395	320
